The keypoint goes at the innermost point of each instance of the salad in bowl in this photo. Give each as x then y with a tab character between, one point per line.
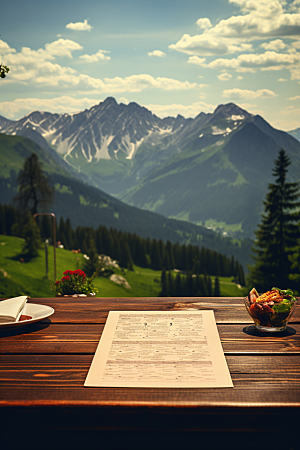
271	310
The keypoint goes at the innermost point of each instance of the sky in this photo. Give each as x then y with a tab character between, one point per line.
170	56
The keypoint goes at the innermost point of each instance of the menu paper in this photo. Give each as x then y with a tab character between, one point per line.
173	349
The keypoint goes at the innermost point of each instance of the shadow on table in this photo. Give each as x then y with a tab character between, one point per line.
253	331
25	329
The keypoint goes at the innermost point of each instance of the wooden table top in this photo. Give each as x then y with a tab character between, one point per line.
44	366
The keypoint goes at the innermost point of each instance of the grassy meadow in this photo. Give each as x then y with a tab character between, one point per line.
29	278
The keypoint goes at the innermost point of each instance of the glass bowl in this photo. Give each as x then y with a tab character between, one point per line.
270	318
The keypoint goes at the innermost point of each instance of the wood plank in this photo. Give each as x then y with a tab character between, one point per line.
95	310
259	380
58	338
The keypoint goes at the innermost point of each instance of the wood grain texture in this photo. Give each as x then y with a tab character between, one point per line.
95	310
44	366
59	338
58	379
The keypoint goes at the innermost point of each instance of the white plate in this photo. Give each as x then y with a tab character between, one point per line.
37	312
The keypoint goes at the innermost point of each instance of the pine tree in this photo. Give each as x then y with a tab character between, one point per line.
294	258
217	291
178	287
32	236
172	292
34	186
164	284
156	263
92	261
209	286
278	231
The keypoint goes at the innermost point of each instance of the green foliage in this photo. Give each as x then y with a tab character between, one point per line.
3	70
91	259
278	231
34	188
217	291
32	236
28	278
75	282
294	259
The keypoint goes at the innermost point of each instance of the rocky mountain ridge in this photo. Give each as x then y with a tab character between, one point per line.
214	167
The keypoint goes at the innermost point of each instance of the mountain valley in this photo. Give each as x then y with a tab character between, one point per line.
213	168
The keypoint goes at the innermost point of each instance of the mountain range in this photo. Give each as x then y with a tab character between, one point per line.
295	133
213	169
86	205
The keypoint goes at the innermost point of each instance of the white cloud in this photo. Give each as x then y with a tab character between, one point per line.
263	19
275	45
99	56
5	48
64	104
295	74
208	44
158	53
248	62
185	110
297	97
137	83
224	76
133	83
296	45
245	93
33	66
62	47
196	60
124	100
79	26
204	23
282	79
37	61
239	77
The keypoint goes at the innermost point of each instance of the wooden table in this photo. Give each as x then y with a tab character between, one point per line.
44	365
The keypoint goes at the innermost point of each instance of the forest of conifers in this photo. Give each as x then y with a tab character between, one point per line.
129	249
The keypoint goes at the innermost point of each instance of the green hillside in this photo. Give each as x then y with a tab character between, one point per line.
17	278
87	206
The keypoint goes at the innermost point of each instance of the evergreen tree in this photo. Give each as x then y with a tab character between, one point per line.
189	285
172	292
169	249
294	258
217	291
178	287
156	263
125	257
241	275
209	287
34	187
91	264
32	236
164	284
277	233
2	219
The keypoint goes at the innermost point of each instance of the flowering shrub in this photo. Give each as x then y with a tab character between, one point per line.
74	282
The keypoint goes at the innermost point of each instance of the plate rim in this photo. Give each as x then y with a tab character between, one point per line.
43	315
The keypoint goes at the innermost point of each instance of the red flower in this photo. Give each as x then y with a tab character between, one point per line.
68	272
57	282
66	278
79	272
